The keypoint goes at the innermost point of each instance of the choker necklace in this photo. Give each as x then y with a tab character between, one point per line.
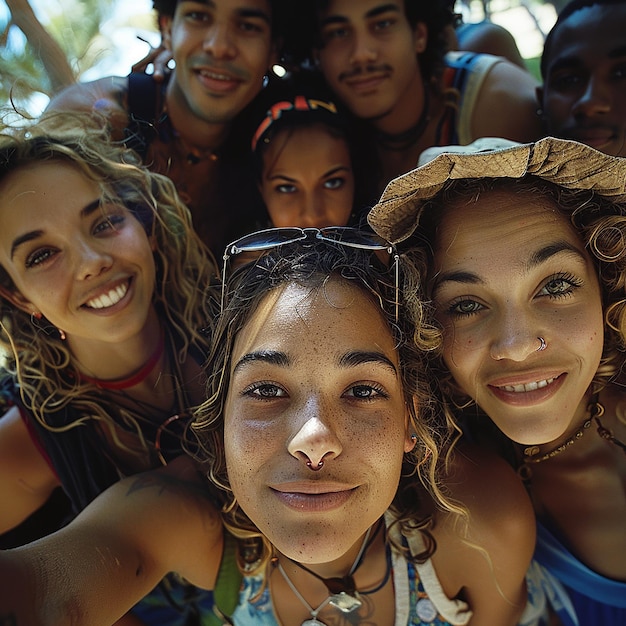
596	411
401	141
343	594
137	377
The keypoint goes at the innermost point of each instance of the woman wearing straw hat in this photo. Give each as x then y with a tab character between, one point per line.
522	250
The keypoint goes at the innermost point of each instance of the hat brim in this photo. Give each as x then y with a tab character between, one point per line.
569	164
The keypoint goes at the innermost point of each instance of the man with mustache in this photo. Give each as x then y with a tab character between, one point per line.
183	127
583	66
385	61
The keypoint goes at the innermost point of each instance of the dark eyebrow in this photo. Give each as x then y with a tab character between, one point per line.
379	10
351	359
90	208
34	234
358	357
255	13
568	62
242	12
331	172
273	357
543	254
536	258
565	63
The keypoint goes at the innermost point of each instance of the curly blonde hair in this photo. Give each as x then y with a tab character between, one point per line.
41	363
311	264
601	225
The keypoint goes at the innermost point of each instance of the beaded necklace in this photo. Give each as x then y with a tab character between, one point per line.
596	411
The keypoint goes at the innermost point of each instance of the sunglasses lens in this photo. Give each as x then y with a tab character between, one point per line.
265	239
354	238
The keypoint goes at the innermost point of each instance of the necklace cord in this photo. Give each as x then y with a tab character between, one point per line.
139	376
343	594
405	139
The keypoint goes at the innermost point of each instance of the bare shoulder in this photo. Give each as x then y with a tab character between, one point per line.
26	479
491	491
486	558
106	96
507	104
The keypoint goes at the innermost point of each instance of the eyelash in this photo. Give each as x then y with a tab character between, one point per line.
572	281
253	391
379	391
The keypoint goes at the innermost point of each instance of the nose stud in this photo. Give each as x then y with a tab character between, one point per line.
315	469
542	344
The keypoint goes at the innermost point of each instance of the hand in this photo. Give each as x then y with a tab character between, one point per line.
158	57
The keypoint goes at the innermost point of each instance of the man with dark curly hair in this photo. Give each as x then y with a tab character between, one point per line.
387	62
183	126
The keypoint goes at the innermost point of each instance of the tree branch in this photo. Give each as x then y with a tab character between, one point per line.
43	45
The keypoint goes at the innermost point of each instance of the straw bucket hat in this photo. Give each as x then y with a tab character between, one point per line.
569	164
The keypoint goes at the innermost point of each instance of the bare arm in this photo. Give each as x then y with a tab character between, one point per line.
487	567
47	49
26	479
507	105
106	97
94	570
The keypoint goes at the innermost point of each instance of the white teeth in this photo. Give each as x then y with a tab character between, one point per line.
214	76
108	299
529	386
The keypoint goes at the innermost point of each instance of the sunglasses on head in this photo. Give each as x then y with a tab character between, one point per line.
341	235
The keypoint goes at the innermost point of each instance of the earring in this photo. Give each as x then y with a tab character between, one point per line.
45	326
266	80
414	438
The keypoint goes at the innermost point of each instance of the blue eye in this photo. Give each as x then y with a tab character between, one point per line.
334	183
285	188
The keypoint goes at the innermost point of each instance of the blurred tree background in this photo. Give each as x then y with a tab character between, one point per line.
47	45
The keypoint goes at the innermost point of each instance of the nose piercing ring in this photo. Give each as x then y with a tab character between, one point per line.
542	344
315	469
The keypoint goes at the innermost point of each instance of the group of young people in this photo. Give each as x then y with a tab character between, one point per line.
352	424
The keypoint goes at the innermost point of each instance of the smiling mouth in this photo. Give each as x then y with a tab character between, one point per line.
226	78
108	299
526	387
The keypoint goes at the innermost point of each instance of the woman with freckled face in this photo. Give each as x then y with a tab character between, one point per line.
101	291
333	479
523	257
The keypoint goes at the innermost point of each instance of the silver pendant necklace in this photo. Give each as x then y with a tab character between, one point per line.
343	593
